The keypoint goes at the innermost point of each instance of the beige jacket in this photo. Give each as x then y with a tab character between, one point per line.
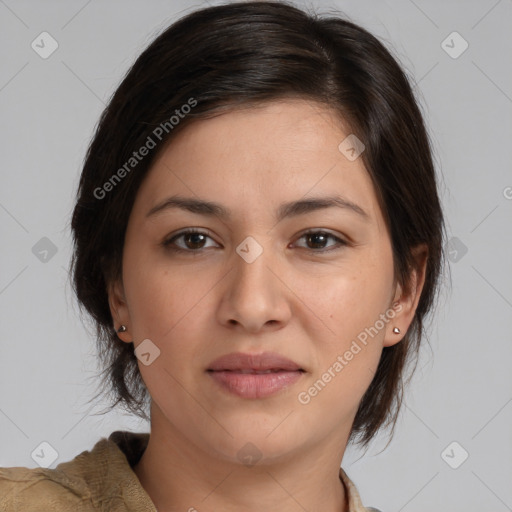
98	480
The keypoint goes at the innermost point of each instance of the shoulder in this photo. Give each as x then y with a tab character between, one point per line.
96	480
40	489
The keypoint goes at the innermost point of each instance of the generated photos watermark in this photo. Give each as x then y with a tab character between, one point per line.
341	361
158	133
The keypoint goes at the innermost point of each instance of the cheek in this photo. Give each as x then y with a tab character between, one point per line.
350	349
172	308
164	299
167	310
352	301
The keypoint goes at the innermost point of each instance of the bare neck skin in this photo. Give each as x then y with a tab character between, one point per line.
179	476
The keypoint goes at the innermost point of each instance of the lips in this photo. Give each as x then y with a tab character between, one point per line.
254	376
267	362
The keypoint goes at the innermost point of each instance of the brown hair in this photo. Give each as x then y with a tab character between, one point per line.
238	55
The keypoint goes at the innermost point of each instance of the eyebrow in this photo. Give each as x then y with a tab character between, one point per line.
285	210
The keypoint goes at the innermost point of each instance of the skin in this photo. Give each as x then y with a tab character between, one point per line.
294	299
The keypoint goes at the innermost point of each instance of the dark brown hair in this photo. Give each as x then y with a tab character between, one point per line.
241	55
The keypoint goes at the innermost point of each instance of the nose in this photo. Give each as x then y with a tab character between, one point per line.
255	296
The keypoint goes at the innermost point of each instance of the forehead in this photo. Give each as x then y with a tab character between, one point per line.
251	158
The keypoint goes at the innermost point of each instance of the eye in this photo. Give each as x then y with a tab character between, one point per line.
319	238
193	239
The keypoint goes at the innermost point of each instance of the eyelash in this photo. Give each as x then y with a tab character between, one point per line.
168	243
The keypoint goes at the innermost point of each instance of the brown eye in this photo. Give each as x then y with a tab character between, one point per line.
193	241
316	241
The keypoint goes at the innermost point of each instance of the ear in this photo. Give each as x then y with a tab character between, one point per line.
119	310
406	298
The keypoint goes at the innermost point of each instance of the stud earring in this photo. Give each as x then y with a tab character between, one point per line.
396	330
122	328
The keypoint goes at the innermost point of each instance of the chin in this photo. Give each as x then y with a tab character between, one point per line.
251	445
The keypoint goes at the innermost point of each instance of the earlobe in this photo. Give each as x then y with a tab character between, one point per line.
119	310
407	298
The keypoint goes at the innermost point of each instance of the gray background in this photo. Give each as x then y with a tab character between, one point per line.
462	390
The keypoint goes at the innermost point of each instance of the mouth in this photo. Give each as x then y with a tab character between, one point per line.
250	363
253	371
254	376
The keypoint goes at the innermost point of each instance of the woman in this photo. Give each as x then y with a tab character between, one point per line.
258	238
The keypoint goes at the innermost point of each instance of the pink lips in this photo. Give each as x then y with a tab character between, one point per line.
254	375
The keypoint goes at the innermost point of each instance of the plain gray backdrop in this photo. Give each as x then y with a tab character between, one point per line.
462	390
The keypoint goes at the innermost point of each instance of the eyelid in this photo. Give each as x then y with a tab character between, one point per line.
169	240
340	241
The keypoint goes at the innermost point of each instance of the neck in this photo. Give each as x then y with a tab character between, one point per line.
179	476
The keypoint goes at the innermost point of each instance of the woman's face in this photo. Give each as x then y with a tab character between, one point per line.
254	281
